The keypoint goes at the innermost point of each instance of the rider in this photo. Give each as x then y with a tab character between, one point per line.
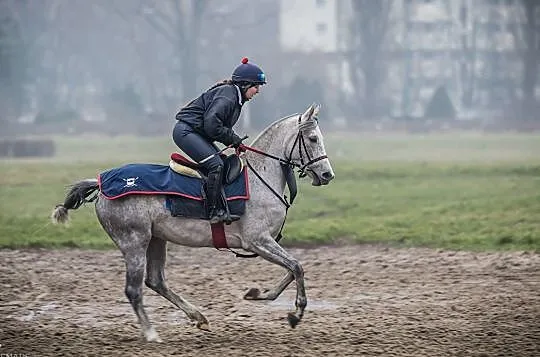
210	118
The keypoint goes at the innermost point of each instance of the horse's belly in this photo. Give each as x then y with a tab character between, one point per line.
192	232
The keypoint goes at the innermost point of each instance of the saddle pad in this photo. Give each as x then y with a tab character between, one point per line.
153	179
184	207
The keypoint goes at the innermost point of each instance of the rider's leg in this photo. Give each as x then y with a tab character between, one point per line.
196	147
215	194
191	143
213	190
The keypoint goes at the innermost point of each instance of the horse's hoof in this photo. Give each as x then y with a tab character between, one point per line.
203	326
152	336
252	294
293	319
154	340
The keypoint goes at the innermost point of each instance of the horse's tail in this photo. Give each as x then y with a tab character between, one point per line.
79	193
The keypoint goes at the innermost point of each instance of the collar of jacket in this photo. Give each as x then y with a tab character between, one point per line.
241	100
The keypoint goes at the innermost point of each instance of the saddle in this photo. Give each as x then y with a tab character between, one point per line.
232	167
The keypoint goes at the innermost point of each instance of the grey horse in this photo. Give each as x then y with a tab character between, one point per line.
141	226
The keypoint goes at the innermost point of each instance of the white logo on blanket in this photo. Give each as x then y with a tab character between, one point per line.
130	182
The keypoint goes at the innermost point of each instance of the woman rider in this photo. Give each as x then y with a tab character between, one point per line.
210	118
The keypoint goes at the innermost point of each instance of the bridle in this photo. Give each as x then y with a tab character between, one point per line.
299	142
302	148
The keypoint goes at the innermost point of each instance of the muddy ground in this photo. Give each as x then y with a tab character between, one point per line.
362	300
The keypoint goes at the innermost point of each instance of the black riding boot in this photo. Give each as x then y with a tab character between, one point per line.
217	209
213	196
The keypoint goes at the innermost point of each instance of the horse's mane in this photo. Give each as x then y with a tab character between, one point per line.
272	125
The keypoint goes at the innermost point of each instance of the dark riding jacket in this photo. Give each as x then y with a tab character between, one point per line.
214	113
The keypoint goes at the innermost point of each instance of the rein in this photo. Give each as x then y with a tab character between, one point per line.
300	141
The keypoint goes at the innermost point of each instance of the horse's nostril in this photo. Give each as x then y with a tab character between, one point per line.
328	175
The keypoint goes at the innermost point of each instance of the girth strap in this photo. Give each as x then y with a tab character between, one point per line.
218	235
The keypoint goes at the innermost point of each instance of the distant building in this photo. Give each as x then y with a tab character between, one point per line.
308	25
309	32
471	47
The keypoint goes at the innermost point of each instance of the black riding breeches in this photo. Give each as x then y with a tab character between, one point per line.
196	147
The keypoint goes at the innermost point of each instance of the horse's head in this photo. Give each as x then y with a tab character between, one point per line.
308	149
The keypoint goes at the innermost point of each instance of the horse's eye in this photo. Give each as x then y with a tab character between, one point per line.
313	138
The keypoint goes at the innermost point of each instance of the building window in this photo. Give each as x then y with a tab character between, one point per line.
321	28
320	3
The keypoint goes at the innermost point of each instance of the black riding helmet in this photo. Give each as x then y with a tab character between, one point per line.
248	74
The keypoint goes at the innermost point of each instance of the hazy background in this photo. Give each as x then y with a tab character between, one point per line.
126	66
429	108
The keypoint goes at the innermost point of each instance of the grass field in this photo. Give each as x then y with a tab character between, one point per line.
463	191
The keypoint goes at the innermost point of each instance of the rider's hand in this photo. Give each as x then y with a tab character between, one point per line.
236	141
240	149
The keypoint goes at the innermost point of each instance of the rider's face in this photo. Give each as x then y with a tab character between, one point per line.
251	91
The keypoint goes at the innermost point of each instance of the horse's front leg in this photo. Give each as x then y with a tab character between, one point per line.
270	250
270	294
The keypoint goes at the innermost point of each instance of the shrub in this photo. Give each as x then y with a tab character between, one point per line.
27	148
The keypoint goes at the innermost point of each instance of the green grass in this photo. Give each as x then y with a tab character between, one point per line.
451	191
464	207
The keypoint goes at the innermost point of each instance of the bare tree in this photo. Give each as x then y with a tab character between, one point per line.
23	26
179	22
531	56
468	59
365	56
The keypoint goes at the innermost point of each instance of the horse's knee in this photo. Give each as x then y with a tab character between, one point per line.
156	285
133	293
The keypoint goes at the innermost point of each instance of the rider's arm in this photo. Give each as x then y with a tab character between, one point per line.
220	111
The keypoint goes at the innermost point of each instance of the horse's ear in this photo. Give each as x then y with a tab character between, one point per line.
316	110
308	113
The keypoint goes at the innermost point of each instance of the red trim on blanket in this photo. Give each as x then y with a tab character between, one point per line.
151	193
244	197
247	195
145	193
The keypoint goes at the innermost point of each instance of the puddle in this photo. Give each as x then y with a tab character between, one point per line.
287	302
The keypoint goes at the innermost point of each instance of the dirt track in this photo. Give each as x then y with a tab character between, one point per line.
362	300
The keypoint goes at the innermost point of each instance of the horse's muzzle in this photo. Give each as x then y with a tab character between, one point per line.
321	180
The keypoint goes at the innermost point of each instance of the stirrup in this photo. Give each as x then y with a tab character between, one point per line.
230	218
223	216
217	215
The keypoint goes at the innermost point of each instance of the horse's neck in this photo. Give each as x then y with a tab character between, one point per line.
273	141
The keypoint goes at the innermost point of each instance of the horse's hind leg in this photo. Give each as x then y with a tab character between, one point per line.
156	255
131	231
135	265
